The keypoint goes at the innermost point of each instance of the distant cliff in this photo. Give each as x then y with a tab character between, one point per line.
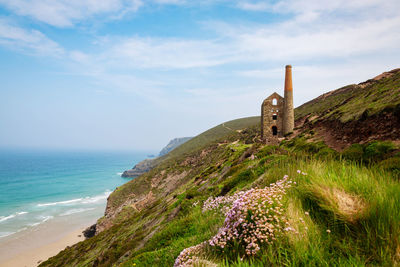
174	143
148	164
140	168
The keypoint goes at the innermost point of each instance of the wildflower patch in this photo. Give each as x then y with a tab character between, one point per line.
254	219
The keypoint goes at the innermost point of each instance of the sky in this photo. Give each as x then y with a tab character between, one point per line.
133	74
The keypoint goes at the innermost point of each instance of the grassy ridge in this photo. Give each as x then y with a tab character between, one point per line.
351	102
216	133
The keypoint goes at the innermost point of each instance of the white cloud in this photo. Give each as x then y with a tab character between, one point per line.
167	53
330	40
254	6
65	13
170	2
28	41
326	6
288	41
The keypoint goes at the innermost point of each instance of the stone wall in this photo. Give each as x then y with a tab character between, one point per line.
268	119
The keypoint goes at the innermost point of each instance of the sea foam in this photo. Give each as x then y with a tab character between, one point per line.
73	211
4	234
60	202
86	200
5	218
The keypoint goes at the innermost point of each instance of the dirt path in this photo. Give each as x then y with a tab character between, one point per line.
230	129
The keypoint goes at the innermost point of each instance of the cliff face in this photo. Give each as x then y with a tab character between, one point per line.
148	164
335	205
140	168
174	143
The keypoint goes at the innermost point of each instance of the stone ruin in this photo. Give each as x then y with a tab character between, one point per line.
277	113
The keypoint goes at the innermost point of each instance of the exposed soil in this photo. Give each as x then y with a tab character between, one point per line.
338	135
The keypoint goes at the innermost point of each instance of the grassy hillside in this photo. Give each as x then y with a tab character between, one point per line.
352	101
215	133
343	211
224	199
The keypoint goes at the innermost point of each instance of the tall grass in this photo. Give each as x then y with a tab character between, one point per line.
350	212
354	214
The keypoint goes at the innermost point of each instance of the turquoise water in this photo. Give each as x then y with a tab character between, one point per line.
38	186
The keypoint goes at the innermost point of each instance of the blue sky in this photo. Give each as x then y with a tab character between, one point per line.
133	74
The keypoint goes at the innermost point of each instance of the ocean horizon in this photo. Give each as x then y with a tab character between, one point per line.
38	186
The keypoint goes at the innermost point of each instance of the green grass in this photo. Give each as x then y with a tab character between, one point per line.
214	134
367	234
354	102
187	231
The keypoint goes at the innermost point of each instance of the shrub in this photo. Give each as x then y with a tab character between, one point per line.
391	164
232	182
302	145
192	193
326	152
355	152
267	150
377	150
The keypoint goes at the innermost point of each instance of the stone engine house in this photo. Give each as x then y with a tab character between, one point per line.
277	113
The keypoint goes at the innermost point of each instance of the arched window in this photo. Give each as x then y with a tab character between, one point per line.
274	117
274	102
274	130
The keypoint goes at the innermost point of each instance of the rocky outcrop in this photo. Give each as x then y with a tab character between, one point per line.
148	164
90	231
174	143
140	168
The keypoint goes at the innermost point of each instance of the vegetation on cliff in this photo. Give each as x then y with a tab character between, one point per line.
204	204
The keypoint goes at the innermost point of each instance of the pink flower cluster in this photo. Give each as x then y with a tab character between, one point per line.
187	257
255	219
223	203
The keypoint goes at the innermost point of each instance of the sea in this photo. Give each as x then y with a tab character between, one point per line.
38	186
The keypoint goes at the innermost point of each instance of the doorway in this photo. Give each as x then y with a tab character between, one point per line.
274	130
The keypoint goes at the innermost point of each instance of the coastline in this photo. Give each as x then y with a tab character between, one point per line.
37	255
30	247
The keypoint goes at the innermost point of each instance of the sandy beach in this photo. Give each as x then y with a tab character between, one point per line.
30	247
32	258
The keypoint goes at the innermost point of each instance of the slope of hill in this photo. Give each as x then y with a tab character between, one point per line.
215	133
355	113
190	144
333	208
174	143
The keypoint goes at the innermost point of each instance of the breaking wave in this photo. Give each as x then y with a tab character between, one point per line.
73	211
5	218
86	200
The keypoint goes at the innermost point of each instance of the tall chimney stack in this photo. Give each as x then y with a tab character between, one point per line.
288	112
